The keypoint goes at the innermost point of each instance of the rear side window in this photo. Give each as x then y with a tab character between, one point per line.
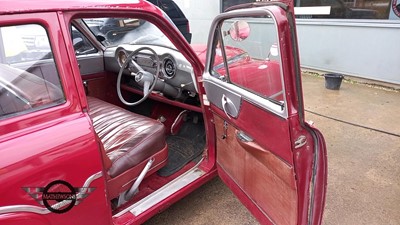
82	45
29	80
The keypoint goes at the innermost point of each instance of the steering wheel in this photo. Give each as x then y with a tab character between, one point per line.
143	78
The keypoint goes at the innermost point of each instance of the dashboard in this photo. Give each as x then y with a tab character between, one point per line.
175	78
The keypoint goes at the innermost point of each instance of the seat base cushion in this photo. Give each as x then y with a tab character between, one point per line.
128	138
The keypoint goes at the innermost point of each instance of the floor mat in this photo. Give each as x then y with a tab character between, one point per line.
183	148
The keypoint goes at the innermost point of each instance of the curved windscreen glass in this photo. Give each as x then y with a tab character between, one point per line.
117	31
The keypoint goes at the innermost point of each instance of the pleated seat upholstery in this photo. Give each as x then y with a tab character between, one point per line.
129	141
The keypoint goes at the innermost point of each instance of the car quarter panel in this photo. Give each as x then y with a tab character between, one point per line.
46	145
64	150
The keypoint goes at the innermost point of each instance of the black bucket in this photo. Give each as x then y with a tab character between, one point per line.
333	81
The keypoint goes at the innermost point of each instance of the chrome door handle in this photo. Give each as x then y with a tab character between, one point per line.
241	136
228	107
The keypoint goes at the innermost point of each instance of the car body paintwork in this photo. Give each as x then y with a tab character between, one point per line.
57	142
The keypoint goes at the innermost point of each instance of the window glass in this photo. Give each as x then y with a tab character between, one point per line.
338	9
250	49
82	45
28	75
349	9
117	31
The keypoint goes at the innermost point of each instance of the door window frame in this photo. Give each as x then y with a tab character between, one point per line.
249	96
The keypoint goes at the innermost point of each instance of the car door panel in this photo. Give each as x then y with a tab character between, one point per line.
265	177
252	119
23	218
267	155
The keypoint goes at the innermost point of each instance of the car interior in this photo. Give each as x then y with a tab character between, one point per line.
140	91
143	104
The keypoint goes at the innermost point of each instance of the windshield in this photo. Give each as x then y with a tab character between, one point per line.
117	31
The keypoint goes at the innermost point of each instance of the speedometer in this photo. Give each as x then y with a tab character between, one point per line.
169	68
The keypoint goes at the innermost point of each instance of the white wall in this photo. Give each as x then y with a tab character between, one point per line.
364	48
200	14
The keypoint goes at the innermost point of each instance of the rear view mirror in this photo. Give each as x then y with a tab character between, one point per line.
128	22
239	30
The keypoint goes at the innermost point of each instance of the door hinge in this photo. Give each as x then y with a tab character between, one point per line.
300	142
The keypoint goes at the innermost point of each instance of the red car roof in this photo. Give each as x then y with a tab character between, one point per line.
28	6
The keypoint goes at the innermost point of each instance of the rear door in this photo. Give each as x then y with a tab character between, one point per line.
271	159
51	169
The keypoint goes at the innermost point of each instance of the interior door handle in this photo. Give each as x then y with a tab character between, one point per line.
241	136
228	107
249	144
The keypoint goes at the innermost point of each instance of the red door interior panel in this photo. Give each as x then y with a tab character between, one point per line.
262	175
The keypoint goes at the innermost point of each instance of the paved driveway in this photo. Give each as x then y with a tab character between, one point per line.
364	164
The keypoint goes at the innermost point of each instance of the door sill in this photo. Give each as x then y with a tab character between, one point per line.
164	192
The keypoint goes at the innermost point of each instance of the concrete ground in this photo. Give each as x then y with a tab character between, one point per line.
364	164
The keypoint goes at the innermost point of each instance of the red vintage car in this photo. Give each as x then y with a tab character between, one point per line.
108	116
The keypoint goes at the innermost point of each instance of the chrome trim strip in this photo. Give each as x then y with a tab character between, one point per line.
91	179
42	210
23	208
164	192
248	96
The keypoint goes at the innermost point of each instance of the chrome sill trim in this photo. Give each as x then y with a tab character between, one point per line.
23	208
164	192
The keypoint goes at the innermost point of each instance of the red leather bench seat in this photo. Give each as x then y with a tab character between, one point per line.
129	141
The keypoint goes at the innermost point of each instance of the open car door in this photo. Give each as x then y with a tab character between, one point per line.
267	155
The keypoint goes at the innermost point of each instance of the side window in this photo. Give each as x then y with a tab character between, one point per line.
29	79
249	48
82	45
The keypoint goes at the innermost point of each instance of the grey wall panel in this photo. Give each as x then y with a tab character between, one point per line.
362	49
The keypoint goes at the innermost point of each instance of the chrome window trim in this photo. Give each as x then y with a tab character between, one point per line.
246	95
249	96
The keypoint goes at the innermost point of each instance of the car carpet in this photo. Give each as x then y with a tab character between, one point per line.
184	147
